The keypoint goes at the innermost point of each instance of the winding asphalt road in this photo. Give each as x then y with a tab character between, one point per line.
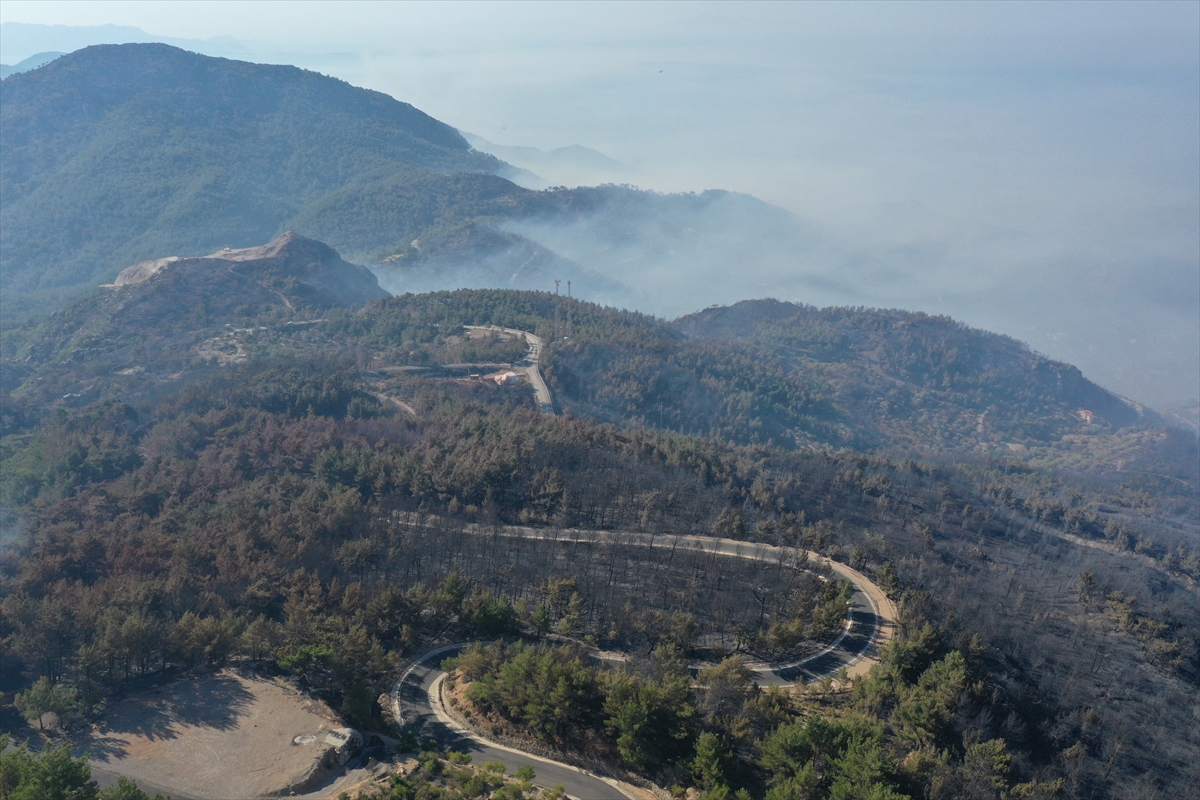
416	695
870	622
416	700
528	365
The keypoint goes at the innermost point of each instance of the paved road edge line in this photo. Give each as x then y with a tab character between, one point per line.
439	711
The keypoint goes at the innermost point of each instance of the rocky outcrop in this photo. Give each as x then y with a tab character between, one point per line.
292	271
142	271
166	311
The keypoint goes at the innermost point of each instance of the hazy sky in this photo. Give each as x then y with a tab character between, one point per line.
1032	168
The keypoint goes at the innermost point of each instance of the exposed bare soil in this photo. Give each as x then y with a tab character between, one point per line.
225	349
219	737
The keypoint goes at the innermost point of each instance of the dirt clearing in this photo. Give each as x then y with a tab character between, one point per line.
219	737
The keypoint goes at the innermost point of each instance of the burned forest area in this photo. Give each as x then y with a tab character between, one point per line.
281	514
628	598
346	543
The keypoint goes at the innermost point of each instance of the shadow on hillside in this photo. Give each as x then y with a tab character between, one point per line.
213	701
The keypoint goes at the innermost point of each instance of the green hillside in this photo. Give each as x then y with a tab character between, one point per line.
925	380
766	372
756	373
114	154
793	377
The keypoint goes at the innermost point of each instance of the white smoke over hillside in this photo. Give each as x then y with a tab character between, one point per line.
1029	168
573	165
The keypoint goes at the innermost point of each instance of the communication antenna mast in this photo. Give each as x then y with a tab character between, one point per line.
568	288
556	308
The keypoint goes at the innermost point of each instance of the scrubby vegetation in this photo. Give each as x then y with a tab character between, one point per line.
768	373
777	373
230	462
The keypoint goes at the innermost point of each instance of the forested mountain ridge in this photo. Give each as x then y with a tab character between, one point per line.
760	372
888	364
621	245
276	511
246	456
833	377
129	151
257	456
126	152
755	374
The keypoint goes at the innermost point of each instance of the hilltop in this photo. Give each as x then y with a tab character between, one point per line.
788	375
175	315
129	151
755	373
797	378
919	379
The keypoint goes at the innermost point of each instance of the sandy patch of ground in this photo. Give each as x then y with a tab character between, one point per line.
217	737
